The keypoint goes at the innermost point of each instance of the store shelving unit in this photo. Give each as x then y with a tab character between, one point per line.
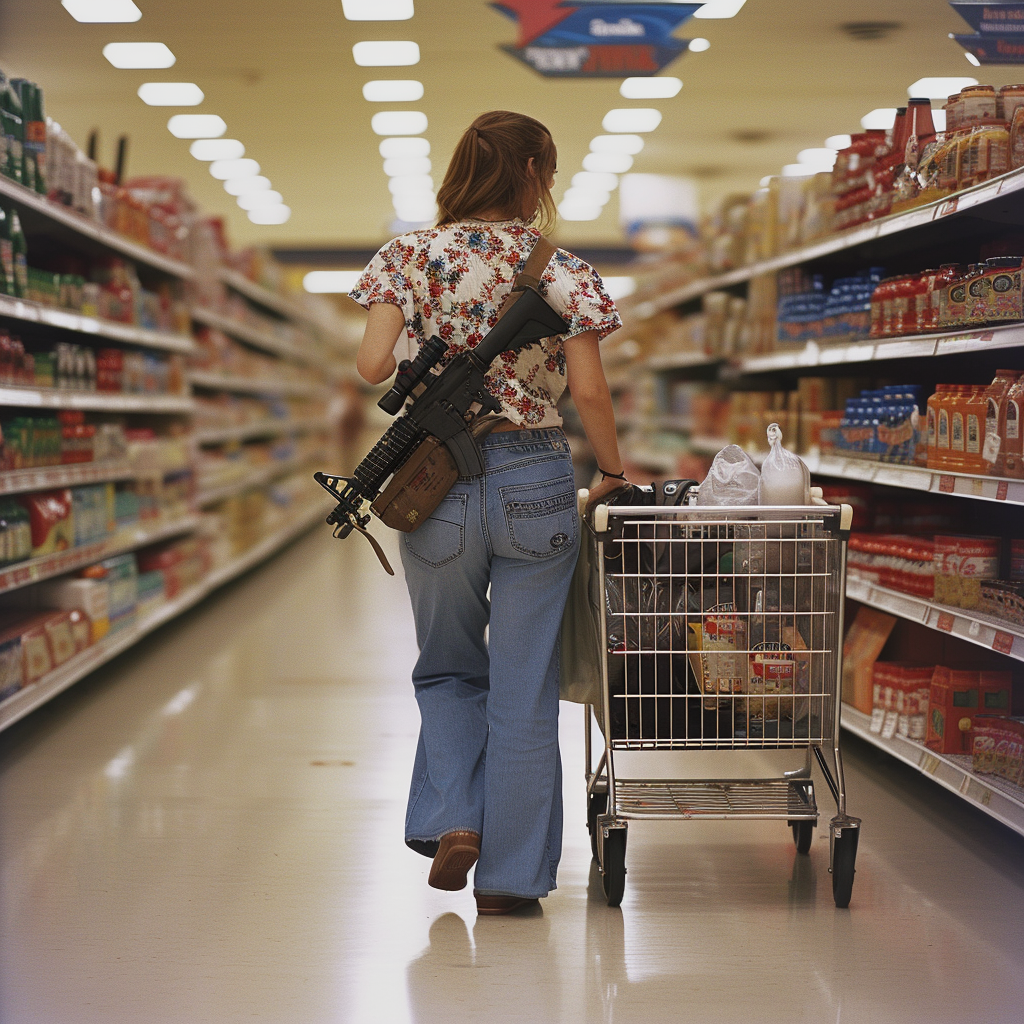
96	401
251	385
247	333
248	431
258	478
19	481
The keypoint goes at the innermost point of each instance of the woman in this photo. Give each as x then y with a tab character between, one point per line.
486	785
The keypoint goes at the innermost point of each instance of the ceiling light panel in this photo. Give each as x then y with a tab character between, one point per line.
594	181
720	9
386	54
331	282
799	170
171	94
408	184
650	88
244	186
225	169
407	165
416	210
817	156
399	122
377	10
971	59
838	141
608	163
631	119
585	196
217	149
880	117
939	88
138	55
107	12
571	211
397	148
405	90
254	200
196	126
699	45
631	144
278	214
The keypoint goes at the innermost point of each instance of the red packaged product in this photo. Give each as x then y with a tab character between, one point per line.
953	703
50	519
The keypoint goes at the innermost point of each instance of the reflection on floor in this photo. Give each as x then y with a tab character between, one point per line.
209	830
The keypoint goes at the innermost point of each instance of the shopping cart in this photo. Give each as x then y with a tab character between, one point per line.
722	630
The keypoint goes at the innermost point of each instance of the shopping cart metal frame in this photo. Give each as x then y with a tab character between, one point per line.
613	801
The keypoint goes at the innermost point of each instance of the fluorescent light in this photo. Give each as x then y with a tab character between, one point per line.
399	122
331	282
385	53
631	119
597	182
217	149
631	144
409	184
171	94
403	90
406	165
766	180
138	55
971	59
196	126
838	141
619	287
720	9
570	211
799	170
396	148
880	117
416	209
254	200
270	214
822	158
577	196
938	88
102	11
607	163
939	120
377	10
244	186
699	45
224	169
650	88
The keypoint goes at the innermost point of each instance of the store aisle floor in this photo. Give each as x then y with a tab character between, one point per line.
209	830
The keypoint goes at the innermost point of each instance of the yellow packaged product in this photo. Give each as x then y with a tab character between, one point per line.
718	655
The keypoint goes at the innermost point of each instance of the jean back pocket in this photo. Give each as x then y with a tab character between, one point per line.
441	538
541	517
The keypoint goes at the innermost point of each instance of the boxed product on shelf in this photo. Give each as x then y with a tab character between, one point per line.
40	642
93	506
958	696
51	517
998	747
151	592
862	645
900	699
15	532
180	564
87	594
961	563
120	573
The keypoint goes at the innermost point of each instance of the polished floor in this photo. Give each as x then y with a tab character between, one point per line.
208	831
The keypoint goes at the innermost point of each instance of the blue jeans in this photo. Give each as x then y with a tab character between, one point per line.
487	757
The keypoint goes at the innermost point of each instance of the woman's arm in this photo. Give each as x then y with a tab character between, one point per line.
585	378
375	359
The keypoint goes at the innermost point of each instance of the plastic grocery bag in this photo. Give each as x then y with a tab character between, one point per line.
732	480
785	479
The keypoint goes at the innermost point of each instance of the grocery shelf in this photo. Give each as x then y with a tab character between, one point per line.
34	313
993	634
46	478
991	794
682	359
261	476
103	401
246	431
251	385
54	219
28	699
250	335
42	568
263	296
895	223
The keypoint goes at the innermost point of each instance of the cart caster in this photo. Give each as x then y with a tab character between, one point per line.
803	833
613	861
844	833
597	804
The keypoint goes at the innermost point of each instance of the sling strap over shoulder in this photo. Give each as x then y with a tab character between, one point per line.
536	263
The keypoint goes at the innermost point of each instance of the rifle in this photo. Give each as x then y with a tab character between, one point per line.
443	405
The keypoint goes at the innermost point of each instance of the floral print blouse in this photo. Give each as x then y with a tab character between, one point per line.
451	281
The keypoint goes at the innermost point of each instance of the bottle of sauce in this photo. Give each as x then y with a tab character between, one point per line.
957	427
938	428
19	249
1013	437
975	405
994	449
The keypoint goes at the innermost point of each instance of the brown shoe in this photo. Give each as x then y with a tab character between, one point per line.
456	854
493	905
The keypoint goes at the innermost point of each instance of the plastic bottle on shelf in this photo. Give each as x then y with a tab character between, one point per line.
1013	434
957	431
938	427
34	128
12	128
7	285
974	429
19	249
994	449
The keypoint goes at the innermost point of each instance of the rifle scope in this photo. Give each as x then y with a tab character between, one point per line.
411	373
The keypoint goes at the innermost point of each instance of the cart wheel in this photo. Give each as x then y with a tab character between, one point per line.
803	833
597	803
614	865
844	857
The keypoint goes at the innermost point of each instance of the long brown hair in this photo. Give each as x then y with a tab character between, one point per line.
488	170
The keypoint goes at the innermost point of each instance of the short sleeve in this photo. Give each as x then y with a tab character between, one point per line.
577	292
386	278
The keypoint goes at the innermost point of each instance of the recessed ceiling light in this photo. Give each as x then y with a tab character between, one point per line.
650	88
404	147
217	149
138	55
838	141
819	157
377	10
407	184
619	287
631	119
631	144
243	186
196	126
613	163
407	165
224	169
171	94
399	122
102	11
599	182
939	88
939	120
699	45
270	214
386	53
880	117
405	90
416	209
254	200
720	9
799	170
570	211
971	59
577	196
331	282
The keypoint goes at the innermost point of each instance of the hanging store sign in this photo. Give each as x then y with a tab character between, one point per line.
994	49
999	19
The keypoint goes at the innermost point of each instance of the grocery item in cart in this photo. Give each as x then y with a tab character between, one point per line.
785	479
717	654
732	480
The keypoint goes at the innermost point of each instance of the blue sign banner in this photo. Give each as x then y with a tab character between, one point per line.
998	19
619	23
990	48
598	60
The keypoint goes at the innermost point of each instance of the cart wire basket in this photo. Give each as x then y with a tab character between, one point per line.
722	629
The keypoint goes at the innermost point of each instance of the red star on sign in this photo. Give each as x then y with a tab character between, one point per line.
535	17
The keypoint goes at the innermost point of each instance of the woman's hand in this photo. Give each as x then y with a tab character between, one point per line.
604	489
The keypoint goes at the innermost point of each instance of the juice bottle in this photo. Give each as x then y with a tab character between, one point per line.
938	426
957	427
974	429
994	449
1013	436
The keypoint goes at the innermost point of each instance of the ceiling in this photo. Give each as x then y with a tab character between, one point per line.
779	77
